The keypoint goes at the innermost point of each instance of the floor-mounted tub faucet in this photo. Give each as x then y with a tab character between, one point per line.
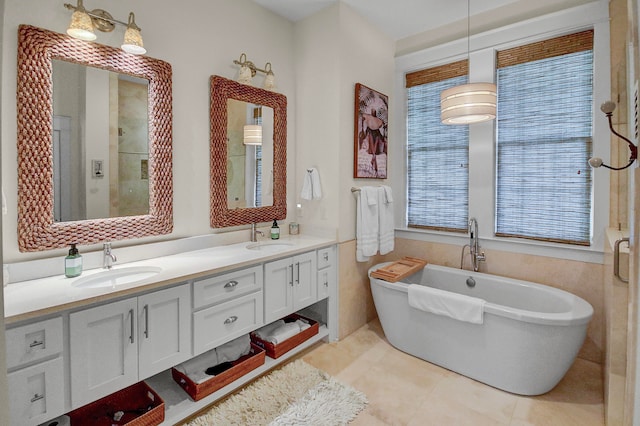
255	232
477	256
109	258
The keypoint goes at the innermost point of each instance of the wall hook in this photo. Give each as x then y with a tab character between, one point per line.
595	162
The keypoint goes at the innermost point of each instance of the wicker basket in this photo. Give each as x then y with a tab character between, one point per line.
140	405
277	350
241	366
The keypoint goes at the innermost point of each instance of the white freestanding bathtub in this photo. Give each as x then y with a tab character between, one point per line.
529	337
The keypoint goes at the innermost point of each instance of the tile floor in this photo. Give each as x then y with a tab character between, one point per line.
404	390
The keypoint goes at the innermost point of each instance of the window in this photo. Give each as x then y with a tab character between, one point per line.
544	140
438	154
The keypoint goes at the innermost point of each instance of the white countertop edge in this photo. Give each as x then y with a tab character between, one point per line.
45	296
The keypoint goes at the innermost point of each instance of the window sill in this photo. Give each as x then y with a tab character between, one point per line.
512	245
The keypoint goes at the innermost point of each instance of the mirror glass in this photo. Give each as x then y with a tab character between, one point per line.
249	155
248	183
100	143
45	219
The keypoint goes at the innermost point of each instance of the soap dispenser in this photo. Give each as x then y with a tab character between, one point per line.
73	263
275	230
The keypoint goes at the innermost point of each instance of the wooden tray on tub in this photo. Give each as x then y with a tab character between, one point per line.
399	269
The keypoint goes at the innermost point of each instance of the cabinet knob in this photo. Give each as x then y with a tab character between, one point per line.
325	256
231	284
231	319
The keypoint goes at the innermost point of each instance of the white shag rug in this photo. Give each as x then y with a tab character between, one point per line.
296	394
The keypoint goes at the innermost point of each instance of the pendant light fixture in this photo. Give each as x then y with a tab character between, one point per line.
253	132
468	103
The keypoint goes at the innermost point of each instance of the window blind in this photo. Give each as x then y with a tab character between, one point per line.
544	140
438	155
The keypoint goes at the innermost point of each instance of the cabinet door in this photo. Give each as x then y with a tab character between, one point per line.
278	289
36	393
103	350
164	330
305	274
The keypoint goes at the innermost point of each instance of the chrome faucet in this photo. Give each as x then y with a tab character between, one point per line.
255	232
477	256
109	258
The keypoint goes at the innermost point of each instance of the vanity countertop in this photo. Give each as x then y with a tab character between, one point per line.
45	296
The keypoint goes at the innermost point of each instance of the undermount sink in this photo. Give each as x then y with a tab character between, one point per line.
273	245
117	277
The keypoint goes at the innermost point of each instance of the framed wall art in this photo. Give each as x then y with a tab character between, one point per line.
371	130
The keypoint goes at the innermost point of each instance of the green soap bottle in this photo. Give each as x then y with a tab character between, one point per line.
275	230
73	263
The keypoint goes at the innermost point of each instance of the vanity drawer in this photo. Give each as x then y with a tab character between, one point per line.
326	257
326	278
221	323
33	342
212	290
36	393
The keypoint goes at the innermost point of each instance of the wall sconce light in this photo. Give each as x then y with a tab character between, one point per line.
595	162
248	70
468	103
84	23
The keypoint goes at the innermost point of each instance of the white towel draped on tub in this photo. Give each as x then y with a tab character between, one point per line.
447	303
366	223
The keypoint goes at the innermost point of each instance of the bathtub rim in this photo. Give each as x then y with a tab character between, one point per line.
581	311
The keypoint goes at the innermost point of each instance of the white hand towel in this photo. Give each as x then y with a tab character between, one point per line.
385	218
311	189
307	187
316	189
440	302
234	349
366	223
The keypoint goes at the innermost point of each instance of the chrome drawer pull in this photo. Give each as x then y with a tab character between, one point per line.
37	397
231	319
616	259
291	282
131	338
146	321
231	284
36	343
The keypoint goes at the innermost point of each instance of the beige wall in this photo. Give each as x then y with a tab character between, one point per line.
335	49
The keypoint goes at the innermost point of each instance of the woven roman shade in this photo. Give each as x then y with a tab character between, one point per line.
438	154
544	140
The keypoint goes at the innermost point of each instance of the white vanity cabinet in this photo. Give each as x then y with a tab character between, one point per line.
35	378
118	344
289	285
